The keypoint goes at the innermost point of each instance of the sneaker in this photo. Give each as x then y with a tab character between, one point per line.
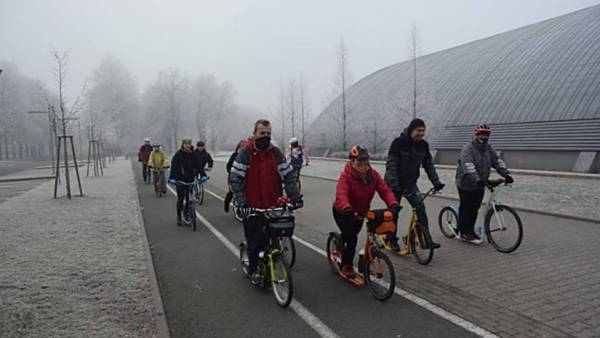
434	244
255	278
471	238
394	245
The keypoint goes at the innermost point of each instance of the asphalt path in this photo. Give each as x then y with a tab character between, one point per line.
205	294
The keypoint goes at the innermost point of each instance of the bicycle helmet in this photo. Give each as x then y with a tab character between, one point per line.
293	140
483	129
359	152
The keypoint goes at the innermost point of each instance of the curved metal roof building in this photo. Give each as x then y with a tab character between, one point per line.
538	77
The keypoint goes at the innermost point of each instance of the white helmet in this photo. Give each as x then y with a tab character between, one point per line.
293	140
147	140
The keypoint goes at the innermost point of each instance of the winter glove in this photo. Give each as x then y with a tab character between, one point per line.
508	179
439	186
243	209
395	208
297	202
481	183
348	213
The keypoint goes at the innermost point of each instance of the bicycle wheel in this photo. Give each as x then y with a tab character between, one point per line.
420	245
503	228
244	260
200	198
192	214
281	282
288	249
380	276
335	246
448	221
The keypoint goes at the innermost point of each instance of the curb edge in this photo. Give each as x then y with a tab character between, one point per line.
160	317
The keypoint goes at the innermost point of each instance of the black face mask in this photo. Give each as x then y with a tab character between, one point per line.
262	143
295	145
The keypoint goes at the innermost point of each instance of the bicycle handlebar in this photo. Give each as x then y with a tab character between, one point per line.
491	184
259	211
189	184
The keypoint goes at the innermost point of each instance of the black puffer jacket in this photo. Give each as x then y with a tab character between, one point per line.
403	165
184	166
204	158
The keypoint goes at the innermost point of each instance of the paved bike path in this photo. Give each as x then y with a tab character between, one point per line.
203	292
230	306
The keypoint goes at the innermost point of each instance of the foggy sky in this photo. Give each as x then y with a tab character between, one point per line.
250	43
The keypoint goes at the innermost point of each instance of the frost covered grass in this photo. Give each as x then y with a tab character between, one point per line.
75	268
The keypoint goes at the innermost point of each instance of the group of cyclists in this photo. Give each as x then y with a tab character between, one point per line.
186	165
259	173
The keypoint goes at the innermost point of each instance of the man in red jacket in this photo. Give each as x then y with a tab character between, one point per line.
356	187
144	156
256	178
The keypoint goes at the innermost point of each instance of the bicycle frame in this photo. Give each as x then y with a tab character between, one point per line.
414	221
491	204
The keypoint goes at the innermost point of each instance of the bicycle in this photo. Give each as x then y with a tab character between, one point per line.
199	189
416	241
495	224
374	263
274	271
189	209
158	175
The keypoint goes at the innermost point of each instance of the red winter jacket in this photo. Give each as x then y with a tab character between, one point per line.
257	176
144	153
355	190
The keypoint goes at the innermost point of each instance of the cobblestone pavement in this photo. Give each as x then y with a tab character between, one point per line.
578	197
75	268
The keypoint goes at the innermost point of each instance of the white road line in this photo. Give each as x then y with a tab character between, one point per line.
309	318
465	324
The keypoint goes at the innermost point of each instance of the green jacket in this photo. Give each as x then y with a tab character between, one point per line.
158	159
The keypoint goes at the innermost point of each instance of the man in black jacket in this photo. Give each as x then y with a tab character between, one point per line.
184	167
204	158
407	154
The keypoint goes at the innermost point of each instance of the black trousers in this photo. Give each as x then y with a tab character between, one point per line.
350	228
256	239
182	191
470	202
145	171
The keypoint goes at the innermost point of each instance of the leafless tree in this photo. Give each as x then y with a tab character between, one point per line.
114	95
343	80
414	52
303	112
